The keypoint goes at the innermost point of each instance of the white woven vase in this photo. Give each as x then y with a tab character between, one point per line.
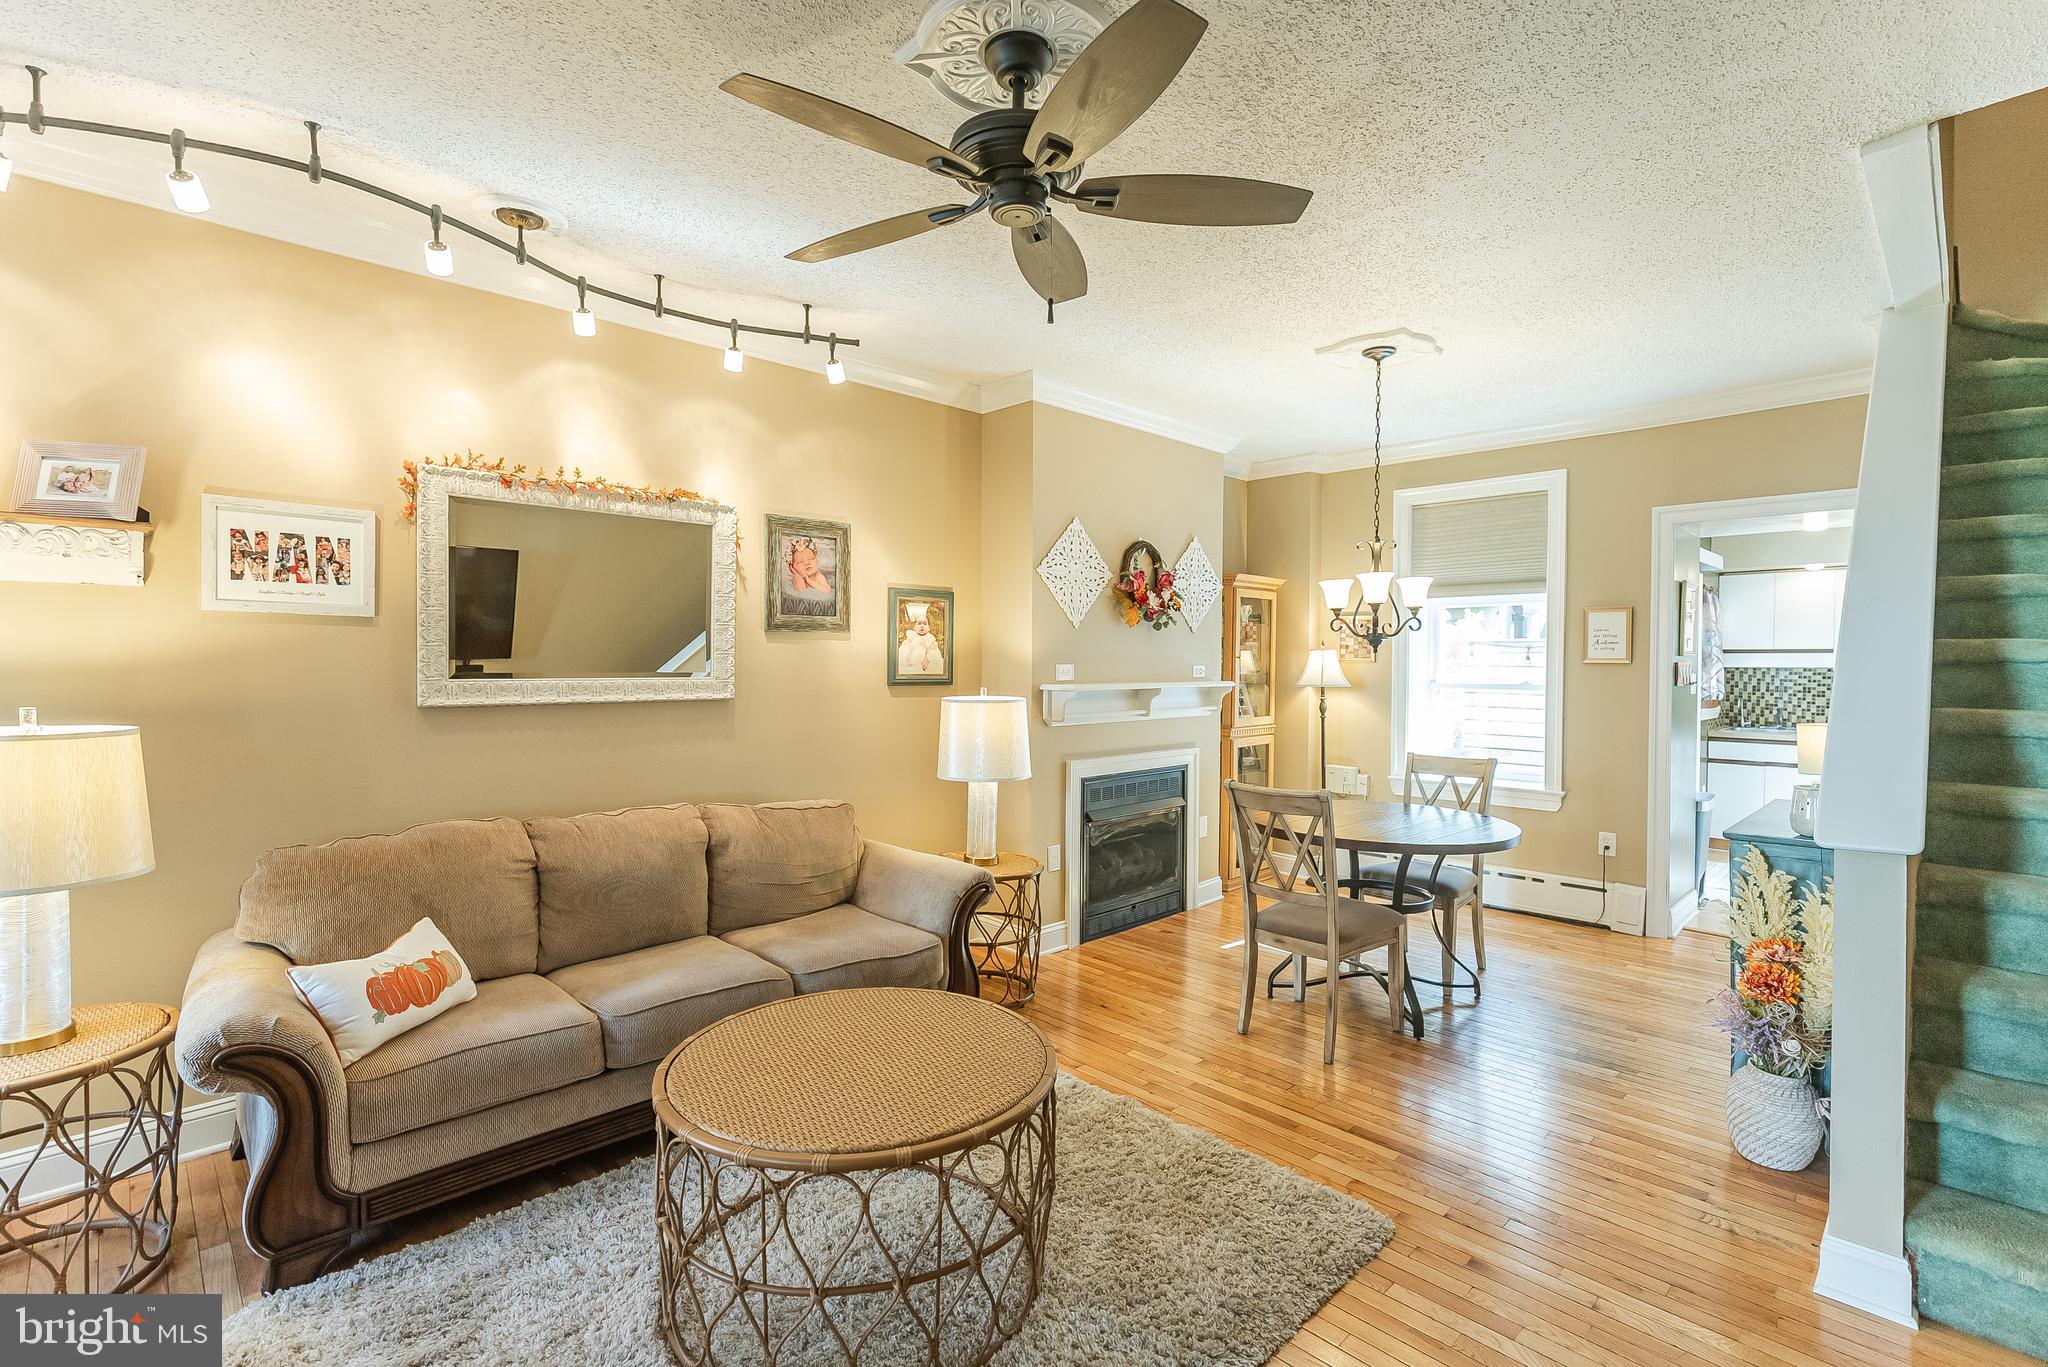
1771	1119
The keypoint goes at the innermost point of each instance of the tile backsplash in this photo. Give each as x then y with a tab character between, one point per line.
1778	696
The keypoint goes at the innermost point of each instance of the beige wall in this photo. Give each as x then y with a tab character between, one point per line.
1998	192
249	364
1284	535
1612	484
1236	508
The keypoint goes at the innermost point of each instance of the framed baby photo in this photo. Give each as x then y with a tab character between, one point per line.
808	569
256	555
79	479
920	635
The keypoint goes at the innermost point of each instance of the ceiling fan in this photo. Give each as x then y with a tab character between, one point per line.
1017	163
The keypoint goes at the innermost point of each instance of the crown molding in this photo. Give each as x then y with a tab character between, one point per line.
1029	386
1722	403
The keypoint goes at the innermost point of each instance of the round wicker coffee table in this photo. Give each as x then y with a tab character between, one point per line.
855	1176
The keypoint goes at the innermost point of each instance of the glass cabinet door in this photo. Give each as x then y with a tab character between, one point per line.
1255	761
1254	658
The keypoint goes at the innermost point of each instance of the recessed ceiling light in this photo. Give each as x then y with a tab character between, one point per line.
1814	522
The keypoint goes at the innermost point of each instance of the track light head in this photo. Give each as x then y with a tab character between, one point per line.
735	359
186	191
835	369
440	260
583	320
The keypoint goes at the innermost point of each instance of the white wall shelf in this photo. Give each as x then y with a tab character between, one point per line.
39	549
1096	704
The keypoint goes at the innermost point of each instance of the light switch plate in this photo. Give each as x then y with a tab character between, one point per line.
1205	828
1062	673
1201	671
1052	859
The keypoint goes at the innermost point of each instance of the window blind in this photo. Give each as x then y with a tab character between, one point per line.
1481	545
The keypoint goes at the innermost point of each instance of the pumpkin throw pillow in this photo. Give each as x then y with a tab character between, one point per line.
364	1003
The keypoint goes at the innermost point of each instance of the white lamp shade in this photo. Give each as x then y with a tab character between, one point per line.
983	739
1813	746
1414	590
1373	584
1323	670
73	808
1336	593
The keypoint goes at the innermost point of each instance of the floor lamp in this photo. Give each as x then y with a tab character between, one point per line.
1323	672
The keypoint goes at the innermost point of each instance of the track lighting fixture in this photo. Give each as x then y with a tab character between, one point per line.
186	191
440	261
190	196
583	319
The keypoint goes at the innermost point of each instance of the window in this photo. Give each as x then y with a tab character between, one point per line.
1483	677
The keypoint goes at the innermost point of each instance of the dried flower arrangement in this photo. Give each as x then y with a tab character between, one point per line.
1781	1009
565	480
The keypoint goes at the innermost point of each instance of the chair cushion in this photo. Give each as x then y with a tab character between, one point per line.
844	946
520	1036
613	882
1358	923
345	900
1453	881
651	1000
778	860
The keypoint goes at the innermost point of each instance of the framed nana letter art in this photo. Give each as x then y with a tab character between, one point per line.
808	565
260	556
920	636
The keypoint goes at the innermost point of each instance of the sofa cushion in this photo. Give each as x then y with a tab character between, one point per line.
651	1000
520	1036
319	903
844	946
613	882
778	860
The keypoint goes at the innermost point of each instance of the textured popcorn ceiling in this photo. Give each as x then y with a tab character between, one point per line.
1593	206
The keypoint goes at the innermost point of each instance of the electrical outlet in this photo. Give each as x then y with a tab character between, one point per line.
1201	671
1052	859
1606	844
1205	828
1062	673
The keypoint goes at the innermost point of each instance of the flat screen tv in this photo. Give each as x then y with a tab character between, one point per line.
483	589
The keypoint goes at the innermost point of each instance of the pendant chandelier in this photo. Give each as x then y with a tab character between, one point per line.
1387	606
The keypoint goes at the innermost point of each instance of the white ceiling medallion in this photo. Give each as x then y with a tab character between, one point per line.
1194	578
1075	572
1408	346
947	48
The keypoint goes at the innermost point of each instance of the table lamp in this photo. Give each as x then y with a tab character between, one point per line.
1323	672
983	741
73	811
1813	747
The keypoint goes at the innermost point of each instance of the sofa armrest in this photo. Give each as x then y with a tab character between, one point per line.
238	996
928	891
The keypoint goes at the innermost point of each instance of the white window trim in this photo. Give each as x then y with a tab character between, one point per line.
1551	796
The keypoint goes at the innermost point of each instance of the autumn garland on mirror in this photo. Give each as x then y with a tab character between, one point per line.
1144	588
565	480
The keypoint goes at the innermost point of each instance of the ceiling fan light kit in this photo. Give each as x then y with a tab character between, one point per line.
1019	163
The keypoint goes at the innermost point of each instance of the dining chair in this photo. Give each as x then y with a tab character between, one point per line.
1287	855
1467	785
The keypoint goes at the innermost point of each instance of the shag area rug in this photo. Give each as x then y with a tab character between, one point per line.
1167	1246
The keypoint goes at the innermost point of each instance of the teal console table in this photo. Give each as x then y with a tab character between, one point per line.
1769	829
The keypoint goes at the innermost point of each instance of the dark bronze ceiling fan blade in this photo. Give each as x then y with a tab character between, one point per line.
880	234
840	121
1051	261
1203	201
1114	80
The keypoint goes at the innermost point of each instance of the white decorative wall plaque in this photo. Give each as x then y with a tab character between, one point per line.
1075	572
1195	579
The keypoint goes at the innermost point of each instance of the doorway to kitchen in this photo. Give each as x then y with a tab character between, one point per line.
1745	600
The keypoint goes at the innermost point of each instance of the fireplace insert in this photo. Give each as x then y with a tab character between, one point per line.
1133	849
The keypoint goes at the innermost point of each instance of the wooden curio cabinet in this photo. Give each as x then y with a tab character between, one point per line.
1250	656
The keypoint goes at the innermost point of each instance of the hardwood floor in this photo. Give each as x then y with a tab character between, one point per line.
1555	1157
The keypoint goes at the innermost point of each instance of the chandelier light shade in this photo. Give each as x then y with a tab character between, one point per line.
983	741
1388	604
73	811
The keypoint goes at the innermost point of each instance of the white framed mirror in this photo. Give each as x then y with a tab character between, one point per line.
537	596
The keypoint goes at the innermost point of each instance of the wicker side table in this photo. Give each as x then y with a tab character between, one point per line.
114	1074
856	1176
1003	941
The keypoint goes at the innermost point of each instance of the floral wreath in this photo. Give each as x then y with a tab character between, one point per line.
563	481
1145	590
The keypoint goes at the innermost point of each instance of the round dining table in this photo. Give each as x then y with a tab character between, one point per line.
1405	831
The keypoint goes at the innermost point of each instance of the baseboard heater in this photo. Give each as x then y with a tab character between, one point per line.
1549	894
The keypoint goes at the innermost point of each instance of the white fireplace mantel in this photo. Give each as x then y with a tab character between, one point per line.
1094	704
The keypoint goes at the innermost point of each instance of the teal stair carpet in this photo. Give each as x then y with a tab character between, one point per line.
1977	1092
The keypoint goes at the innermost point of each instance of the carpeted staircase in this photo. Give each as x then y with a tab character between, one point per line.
1977	1098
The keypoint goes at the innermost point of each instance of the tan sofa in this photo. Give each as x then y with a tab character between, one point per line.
598	943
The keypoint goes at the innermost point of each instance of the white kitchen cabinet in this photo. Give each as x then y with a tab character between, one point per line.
1738	789
1749	612
1808	609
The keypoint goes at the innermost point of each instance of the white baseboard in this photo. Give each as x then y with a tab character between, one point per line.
207	1126
1880	1284
1052	937
1619	906
1207	891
